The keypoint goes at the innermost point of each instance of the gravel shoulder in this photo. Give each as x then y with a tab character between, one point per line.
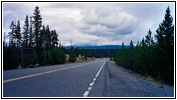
127	84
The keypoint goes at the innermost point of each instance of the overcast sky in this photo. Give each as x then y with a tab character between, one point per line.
92	23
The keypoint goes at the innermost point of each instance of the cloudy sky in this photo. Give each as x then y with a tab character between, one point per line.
92	23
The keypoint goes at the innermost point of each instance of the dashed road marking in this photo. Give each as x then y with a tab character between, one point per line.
91	84
41	73
90	88
86	93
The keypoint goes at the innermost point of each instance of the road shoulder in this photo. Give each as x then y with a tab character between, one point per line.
127	84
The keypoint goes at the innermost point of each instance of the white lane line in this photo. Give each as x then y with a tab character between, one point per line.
91	84
90	88
99	71
86	93
93	81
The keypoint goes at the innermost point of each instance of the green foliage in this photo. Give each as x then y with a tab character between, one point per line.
12	34
72	58
124	57
57	56
18	33
72	55
152	58
10	60
31	35
37	26
54	38
40	45
26	32
165	46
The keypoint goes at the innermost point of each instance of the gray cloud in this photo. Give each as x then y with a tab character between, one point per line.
92	23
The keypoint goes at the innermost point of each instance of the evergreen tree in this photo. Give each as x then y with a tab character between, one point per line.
122	46
39	43
54	38
26	32
149	54
131	55
43	42
11	34
37	26
48	37
43	37
31	33
149	39
72	55
121	56
165	46
18	33
143	57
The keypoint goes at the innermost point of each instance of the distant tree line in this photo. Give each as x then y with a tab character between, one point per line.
152	57
97	53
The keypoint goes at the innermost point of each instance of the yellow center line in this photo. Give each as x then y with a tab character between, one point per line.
37	74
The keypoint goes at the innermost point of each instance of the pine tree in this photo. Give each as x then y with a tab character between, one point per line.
149	54
54	38
37	26
43	37
31	33
18	33
149	39
26	32
48	37
165	46
131	55
122	46
137	65
11	34
120	57
43	43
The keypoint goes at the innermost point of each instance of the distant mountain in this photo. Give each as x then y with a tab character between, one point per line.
96	47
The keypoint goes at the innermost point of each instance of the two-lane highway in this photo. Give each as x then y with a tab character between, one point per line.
68	80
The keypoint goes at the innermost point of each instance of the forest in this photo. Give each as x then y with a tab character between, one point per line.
153	56
35	45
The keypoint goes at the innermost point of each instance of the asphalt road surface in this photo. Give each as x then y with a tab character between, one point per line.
68	80
98	78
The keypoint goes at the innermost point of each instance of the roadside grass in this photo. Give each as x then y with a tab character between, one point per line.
148	78
112	61
79	59
155	83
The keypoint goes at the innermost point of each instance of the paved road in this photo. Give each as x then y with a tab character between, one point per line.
68	80
98	78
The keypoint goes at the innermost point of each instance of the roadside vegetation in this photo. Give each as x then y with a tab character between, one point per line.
153	56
